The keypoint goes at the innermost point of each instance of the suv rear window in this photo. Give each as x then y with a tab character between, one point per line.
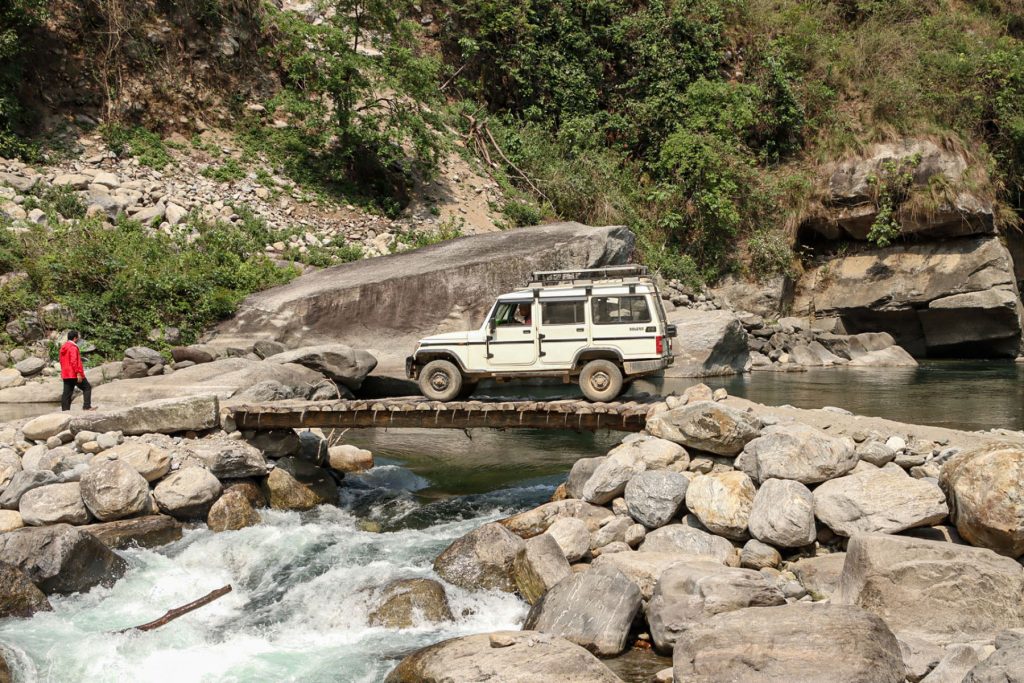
612	310
563	312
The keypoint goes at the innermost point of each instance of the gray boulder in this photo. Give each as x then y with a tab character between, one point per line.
594	608
536	521
275	443
30	367
539	565
819	575
643	569
19	597
884	501
690	593
722	502
43	427
22	482
611	475
405	603
266	348
579	474
505	656
986	494
709	343
681	538
919	587
151	462
799	452
299	485
149	531
341	363
783	514
231	512
197	353
797	643
875	453
758	555
706	426
1005	665
226	458
654	497
60	558
114	490
187	493
164	416
53	504
572	536
482	559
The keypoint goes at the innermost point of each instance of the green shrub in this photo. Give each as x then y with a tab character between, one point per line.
144	145
769	253
226	172
521	213
17	20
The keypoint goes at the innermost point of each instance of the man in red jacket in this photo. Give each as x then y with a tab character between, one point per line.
73	374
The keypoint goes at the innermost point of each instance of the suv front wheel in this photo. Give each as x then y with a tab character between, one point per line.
440	380
601	380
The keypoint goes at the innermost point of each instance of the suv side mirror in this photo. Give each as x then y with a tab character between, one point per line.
492	326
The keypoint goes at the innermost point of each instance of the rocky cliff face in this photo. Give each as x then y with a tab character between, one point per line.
386	304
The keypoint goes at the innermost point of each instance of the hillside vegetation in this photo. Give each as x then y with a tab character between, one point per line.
701	124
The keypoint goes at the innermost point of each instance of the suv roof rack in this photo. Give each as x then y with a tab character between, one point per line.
589	275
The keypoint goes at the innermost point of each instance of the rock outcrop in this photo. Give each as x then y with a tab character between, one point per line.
61	558
708	343
403	297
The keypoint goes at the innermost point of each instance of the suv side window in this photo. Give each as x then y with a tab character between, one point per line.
613	310
563	312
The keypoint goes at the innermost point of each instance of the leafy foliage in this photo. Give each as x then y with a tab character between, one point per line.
17	19
145	145
892	187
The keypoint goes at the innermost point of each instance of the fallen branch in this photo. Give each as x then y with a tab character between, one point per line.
173	614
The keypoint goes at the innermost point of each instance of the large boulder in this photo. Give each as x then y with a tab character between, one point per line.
10	465
644	569
151	462
798	643
539	565
188	493
298	485
507	656
54	504
1005	665
722	502
951	297
23	482
986	495
163	416
681	538
537	520
611	476
405	603
691	592
594	608
343	364
10	520
481	560
782	514
572	535
150	531
708	343
819	575
654	497
887	501
798	452
706	426
938	591
387	304
226	458
61	558
19	597
114	490
43	427
232	512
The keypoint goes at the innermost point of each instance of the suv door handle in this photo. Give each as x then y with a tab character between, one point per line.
581	329
527	331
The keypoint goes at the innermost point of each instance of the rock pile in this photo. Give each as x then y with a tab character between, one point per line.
760	549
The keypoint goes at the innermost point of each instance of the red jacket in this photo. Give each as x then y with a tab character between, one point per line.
71	361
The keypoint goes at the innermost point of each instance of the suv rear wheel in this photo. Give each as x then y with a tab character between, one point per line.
601	380
440	380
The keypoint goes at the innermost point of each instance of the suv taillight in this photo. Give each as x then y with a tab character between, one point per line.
659	347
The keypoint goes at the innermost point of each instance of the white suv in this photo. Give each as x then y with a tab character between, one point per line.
600	327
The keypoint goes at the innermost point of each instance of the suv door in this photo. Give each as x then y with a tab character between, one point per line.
512	339
626	322
562	331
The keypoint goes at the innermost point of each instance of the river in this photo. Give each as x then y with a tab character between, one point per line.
304	583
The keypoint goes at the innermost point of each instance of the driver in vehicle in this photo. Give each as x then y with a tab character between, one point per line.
522	316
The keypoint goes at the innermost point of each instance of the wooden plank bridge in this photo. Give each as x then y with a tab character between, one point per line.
579	415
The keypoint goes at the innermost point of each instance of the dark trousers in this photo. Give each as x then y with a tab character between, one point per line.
69	393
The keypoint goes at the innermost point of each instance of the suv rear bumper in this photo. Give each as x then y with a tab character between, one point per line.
645	367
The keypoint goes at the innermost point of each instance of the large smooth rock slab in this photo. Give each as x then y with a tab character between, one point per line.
401	298
654	497
885	501
43	427
537	520
151	462
539	565
19	597
226	458
61	558
21	483
986	494
691	592
706	426
481	560
164	416
708	343
798	452
338	362
405	603
939	591
722	502
114	490
150	531
782	514
505	656
797	643
54	504
188	493
681	538
594	608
